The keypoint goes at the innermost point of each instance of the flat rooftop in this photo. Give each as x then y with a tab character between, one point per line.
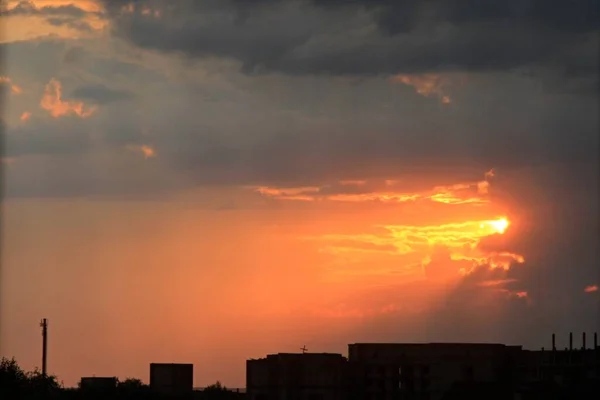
300	355
431	344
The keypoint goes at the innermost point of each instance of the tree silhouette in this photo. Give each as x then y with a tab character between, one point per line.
16	382
217	391
37	381
132	387
132	383
215	387
12	377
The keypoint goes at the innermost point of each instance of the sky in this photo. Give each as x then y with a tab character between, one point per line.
212	181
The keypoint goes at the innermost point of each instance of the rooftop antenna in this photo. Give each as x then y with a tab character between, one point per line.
303	348
44	325
570	341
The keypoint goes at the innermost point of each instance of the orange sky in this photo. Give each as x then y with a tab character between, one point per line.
173	281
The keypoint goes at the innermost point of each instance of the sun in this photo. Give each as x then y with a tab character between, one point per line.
500	225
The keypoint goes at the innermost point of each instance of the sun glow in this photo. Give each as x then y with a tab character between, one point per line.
461	241
500	225
412	247
398	234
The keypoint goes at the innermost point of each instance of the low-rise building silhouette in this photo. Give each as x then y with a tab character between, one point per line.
563	370
172	379
429	370
98	384
306	376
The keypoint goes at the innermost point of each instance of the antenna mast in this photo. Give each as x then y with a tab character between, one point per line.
44	325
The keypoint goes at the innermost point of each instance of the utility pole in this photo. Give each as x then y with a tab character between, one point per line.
44	325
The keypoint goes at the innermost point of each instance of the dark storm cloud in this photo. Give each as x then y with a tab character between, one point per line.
332	37
367	129
313	130
290	155
101	94
399	16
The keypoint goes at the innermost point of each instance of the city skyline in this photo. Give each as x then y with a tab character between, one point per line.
213	181
434	352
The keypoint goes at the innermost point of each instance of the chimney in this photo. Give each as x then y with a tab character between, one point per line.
553	342
583	341
570	341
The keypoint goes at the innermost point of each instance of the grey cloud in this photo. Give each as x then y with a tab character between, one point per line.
346	132
70	22
5	89
53	139
101	94
46	58
73	157
319	131
72	135
364	147
36	63
281	130
93	177
74	54
333	37
33	60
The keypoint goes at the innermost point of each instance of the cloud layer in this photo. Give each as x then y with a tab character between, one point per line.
372	37
305	92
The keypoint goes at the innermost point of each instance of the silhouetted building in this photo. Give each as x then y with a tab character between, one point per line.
176	379
308	376
558	373
98	385
430	371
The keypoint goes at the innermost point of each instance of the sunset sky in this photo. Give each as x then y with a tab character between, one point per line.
211	181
